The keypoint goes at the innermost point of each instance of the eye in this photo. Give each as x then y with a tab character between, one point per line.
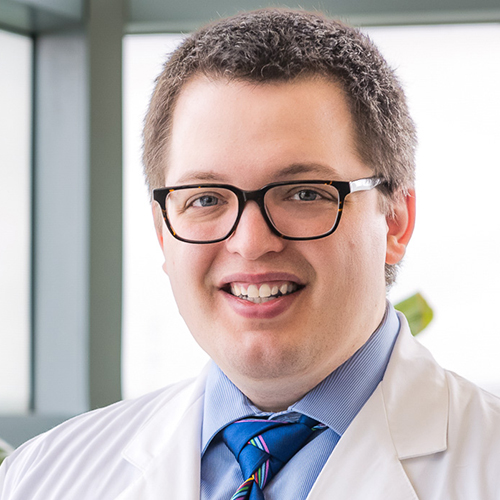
207	200
309	194
306	195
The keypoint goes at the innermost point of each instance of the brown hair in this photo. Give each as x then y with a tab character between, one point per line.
275	45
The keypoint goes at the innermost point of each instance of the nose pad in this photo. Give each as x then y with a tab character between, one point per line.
253	237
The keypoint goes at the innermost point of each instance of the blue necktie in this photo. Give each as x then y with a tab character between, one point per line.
263	447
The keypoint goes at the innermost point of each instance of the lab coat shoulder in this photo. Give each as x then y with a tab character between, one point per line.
468	467
445	429
83	457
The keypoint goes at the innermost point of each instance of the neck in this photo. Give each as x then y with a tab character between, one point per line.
275	399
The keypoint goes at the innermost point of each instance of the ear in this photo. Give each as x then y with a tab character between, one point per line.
400	225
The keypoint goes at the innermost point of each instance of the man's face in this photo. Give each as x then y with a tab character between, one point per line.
250	135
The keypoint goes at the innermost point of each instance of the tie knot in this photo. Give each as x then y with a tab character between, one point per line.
263	447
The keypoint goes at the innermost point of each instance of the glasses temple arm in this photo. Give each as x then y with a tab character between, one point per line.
364	184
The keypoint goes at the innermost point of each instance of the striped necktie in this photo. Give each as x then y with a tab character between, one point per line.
263	447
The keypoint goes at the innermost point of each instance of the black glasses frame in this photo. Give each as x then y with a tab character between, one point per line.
343	187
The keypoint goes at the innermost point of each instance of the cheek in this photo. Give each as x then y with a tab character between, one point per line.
357	253
367	249
187	266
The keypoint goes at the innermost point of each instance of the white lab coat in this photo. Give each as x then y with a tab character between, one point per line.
424	434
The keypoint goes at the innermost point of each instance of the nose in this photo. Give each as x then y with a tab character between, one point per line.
253	238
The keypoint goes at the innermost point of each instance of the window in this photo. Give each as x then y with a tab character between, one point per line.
15	221
452	80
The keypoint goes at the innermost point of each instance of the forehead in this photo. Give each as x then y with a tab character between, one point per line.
248	134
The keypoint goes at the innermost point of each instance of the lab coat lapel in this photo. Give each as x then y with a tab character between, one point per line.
406	417
168	448
416	397
364	463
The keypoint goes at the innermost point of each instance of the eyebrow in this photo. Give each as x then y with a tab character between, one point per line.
282	174
308	168
202	175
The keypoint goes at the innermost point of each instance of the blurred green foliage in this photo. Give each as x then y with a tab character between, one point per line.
417	311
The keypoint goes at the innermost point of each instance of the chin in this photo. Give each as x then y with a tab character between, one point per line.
263	363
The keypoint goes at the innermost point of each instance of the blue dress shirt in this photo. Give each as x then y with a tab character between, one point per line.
335	402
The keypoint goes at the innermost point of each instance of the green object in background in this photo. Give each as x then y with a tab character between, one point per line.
418	313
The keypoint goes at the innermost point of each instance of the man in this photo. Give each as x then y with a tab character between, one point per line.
279	152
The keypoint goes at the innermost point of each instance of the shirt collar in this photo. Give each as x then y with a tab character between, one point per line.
335	401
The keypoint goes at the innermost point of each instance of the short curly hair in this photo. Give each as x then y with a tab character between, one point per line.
278	45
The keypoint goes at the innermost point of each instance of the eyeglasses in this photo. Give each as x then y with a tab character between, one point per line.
296	210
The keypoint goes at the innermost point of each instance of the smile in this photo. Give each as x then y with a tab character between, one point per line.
258	294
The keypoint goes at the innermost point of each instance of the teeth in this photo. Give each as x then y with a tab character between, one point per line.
264	293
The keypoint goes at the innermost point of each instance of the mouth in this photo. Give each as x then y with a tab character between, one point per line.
259	293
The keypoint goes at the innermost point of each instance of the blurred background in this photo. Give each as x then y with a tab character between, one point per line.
86	314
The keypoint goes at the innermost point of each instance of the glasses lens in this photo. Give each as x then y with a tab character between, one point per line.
201	214
303	210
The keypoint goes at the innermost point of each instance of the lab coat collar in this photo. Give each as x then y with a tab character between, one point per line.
167	448
415	393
